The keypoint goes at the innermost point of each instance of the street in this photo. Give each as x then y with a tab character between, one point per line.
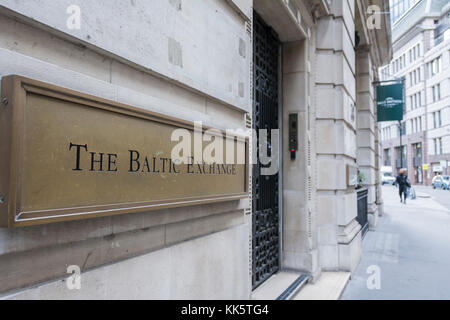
441	196
410	249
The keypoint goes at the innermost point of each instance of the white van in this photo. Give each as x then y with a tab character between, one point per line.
387	176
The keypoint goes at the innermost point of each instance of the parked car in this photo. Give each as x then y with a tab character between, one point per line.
387	178
434	179
442	182
446	182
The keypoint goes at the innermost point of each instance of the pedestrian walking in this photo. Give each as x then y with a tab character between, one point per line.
403	185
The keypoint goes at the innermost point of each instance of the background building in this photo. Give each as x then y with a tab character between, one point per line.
421	43
232	64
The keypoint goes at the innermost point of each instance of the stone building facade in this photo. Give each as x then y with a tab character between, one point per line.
421	42
211	61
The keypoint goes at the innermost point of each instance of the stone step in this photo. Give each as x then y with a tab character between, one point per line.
281	286
329	286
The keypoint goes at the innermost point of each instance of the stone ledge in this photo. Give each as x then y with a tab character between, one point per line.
349	232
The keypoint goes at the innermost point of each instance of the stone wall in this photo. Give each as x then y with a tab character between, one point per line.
367	128
339	237
126	58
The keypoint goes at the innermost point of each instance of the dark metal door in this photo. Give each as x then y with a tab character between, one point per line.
265	213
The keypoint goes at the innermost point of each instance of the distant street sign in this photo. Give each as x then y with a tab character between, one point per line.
390	102
425	167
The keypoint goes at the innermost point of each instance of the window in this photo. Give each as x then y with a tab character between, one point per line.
403	128
386	72
441	31
387	155
399	7
415	100
414	77
436	90
437	119
435	66
417	147
438	146
414	53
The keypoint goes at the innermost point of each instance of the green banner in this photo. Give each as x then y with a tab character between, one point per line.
390	102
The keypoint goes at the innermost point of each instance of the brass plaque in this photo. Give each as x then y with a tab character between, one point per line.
65	155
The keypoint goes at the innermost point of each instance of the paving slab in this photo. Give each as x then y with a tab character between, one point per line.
408	255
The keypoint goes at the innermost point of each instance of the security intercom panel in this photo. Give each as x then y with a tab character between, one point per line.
293	134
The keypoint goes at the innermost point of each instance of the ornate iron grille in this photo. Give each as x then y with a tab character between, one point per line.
362	210
265	240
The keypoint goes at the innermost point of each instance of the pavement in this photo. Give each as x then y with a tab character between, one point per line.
408	255
439	195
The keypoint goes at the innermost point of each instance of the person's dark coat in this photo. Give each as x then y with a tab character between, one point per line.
402	181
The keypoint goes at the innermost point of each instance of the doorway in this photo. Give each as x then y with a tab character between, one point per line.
265	188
